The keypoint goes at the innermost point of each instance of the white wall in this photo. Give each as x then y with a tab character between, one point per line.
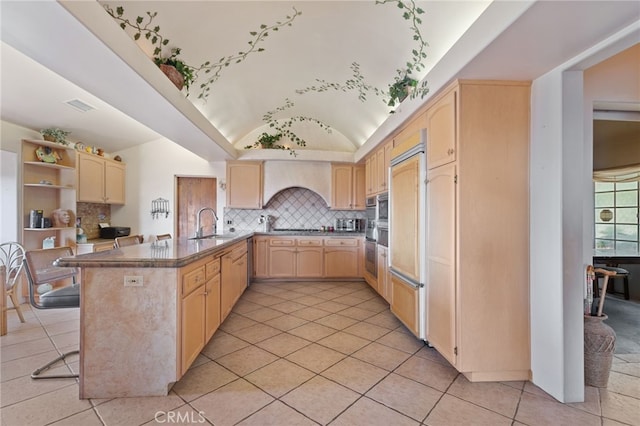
10	136
151	171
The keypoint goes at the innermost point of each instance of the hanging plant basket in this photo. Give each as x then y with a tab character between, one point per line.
173	74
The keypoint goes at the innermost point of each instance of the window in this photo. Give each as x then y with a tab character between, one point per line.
616	215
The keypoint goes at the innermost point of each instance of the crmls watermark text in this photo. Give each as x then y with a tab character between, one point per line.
177	417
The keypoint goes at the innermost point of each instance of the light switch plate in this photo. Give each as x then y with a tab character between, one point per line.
133	281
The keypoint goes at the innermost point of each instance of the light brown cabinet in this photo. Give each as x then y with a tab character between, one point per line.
404	303
193	309
307	257
233	278
348	187
244	184
100	180
441	130
478	231
377	169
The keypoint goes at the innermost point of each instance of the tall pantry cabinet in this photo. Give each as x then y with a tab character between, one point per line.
478	228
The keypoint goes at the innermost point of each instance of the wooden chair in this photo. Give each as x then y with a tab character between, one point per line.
11	256
619	273
161	237
126	241
40	270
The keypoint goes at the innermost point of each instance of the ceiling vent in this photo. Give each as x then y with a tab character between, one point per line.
79	105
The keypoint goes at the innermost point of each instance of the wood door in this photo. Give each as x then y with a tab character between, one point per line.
244	184
193	193
441	131
441	252
341	262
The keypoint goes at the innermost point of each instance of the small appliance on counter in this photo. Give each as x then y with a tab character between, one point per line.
110	232
349	225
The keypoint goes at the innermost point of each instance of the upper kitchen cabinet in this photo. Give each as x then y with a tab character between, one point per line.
47	189
244	184
348	187
100	180
478	232
377	169
441	129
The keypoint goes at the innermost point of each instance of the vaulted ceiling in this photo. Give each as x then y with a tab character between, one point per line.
53	52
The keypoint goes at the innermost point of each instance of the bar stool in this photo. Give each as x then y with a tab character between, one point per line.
620	273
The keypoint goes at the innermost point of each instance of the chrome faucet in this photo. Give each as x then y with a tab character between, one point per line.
199	227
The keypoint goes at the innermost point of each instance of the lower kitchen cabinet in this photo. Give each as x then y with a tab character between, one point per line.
307	257
342	258
233	277
384	281
212	298
404	303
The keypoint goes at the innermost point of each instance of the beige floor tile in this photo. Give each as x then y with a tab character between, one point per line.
374	305
384	319
344	289
535	390
454	411
286	322
24	388
491	395
406	396
279	377
84	418
65	340
348	299
47	408
312	331
244	306
277	414
401	341
624	384
138	410
538	410
320	399
32	347
327	295
630	368
368	294
344	342
381	356
609	422
263	314
315	357
288	306
261	298
21	336
202	379
427	372
332	306
184	415
283	344
231	403
368	412
629	357
309	300
618	407
591	402
256	333
246	360
235	322
310	313
367	331
63	327
222	344
357	313
200	359
25	366
337	321
357	375
432	355
516	384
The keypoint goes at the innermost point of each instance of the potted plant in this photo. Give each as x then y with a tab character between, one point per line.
402	88
53	134
267	141
178	72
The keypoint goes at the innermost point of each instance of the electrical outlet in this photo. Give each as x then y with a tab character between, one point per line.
229	222
133	281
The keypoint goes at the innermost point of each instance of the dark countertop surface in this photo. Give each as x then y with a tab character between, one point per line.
176	253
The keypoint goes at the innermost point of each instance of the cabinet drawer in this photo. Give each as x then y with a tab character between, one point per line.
341	242
282	242
212	268
306	242
193	280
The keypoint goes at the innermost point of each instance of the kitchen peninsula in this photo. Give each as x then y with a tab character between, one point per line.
147	310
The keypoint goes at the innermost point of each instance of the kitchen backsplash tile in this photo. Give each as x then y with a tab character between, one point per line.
291	208
92	214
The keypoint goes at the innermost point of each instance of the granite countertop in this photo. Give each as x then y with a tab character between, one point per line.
311	233
173	253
